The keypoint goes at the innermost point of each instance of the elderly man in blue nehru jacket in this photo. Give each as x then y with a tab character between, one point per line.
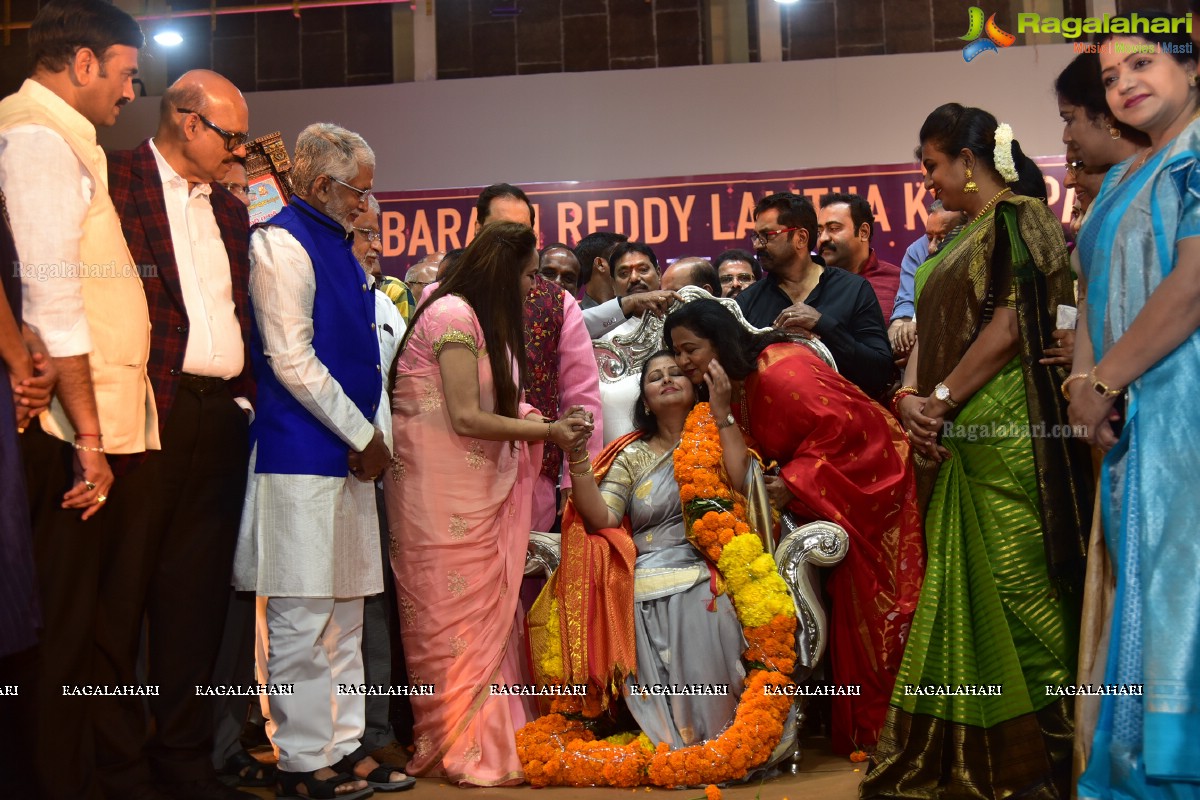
309	543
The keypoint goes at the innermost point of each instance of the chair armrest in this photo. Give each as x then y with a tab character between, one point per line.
799	553
542	555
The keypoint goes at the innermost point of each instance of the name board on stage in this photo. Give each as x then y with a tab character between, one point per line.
695	215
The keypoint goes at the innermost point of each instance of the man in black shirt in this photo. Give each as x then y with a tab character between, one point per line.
801	296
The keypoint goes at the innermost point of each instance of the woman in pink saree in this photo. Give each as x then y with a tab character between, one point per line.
467	454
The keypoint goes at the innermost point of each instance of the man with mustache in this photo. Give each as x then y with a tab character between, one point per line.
845	225
179	507
558	349
634	269
380	611
82	292
738	271
309	540
802	296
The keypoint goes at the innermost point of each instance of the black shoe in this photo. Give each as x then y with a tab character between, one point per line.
206	789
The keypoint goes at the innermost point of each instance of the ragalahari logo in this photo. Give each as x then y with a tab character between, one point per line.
984	36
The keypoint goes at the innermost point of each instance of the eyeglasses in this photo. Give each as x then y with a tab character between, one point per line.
237	188
232	140
760	239
363	194
368	234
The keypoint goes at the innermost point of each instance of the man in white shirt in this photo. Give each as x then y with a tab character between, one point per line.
81	291
380	615
178	508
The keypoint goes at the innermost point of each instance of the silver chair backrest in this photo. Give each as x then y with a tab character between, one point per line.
623	356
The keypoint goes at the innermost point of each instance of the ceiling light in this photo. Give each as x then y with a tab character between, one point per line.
168	38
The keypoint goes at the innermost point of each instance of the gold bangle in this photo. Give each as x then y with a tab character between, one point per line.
1066	384
901	393
587	457
583	474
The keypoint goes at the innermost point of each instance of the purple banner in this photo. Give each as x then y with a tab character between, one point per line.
699	215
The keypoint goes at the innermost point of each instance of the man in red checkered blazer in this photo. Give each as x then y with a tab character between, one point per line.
170	563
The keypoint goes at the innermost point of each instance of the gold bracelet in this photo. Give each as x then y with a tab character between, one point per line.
549	424
587	457
1065	388
84	449
583	474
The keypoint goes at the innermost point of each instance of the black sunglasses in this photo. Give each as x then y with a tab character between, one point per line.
232	140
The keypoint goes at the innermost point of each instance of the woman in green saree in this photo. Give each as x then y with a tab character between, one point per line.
1006	493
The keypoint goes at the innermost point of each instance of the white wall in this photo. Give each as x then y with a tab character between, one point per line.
657	123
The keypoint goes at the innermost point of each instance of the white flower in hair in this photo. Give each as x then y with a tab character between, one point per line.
1002	156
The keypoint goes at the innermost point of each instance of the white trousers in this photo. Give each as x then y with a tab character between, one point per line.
313	644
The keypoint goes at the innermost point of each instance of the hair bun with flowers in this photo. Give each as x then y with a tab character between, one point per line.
1002	156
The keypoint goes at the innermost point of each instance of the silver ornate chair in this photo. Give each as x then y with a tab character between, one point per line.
624	356
801	549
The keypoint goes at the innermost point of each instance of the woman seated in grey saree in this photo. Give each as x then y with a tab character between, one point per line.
687	636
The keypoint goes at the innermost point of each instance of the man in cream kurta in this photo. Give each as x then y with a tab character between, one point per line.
82	292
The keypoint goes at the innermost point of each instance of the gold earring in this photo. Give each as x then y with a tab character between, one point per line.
1114	132
970	187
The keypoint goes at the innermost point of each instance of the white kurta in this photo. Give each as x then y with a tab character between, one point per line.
304	535
390	327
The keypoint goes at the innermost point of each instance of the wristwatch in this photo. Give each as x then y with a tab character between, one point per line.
942	392
1101	388
722	424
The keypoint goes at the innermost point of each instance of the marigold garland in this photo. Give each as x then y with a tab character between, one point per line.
557	750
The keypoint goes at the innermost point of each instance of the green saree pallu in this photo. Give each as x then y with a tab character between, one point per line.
988	638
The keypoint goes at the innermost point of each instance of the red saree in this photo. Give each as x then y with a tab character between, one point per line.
846	460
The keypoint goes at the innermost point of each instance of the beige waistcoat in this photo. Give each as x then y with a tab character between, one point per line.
113	299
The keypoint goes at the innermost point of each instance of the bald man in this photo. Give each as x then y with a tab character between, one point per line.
423	273
692	271
179	507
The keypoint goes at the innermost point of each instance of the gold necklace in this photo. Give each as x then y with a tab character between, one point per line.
988	205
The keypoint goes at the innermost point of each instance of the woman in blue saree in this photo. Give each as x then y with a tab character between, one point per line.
1140	250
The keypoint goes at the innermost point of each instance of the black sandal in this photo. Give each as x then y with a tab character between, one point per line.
248	771
378	777
290	782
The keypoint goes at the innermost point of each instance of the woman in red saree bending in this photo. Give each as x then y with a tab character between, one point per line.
844	459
